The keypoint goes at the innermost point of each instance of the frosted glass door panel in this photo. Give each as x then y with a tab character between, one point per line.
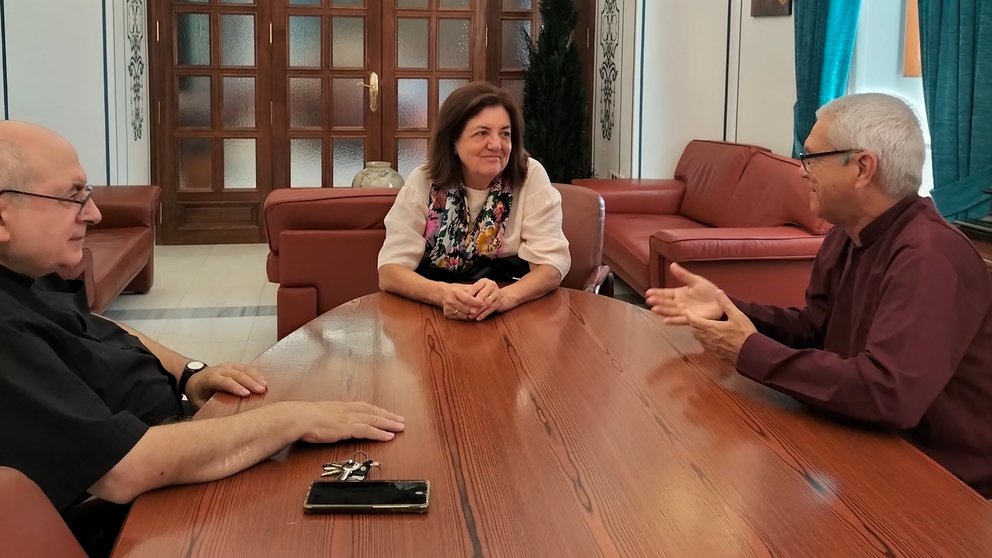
304	102
305	162
452	44
239	164
446	86
193	39
514	48
237	34
194	101
195	164
411	154
349	159
348	103
348	42
411	99
412	40
239	102
304	41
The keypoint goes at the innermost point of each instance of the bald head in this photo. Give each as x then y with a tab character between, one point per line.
25	149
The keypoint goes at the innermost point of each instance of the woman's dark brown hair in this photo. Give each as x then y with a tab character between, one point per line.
464	103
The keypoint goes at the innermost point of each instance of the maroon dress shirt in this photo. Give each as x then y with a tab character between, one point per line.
896	332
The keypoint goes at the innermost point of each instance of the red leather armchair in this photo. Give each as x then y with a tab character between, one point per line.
119	252
30	526
734	213
324	246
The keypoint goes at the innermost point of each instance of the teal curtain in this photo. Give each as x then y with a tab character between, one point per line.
956	48
825	32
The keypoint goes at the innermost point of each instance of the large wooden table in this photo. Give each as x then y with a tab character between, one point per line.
575	425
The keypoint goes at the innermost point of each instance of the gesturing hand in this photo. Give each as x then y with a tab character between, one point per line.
698	295
723	338
332	421
231	377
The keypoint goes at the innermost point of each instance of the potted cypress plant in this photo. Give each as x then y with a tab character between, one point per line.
555	96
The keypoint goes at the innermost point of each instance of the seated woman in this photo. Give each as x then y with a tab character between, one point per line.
478	214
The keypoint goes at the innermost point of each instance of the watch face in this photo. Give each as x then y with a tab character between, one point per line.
195	365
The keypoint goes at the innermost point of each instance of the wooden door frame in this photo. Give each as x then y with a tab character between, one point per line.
162	109
162	100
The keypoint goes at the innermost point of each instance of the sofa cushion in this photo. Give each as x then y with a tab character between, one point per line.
711	170
770	193
118	256
751	243
626	242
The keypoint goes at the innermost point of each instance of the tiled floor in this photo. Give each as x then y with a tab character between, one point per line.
213	303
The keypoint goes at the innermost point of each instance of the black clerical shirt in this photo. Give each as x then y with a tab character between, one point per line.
76	391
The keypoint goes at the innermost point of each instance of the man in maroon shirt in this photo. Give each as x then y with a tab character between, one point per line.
897	328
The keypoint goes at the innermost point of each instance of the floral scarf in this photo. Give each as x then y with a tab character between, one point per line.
453	243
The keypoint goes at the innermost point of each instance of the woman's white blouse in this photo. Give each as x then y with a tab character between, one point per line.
533	229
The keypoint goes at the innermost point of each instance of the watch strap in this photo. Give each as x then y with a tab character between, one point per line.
185	376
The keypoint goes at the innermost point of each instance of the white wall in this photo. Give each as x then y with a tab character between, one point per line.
688	88
60	75
682	90
877	64
762	88
55	73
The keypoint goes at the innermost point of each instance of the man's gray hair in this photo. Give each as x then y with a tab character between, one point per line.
886	126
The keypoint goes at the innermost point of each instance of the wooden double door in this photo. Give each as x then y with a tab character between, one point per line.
251	95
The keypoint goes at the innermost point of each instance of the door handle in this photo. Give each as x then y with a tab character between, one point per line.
373	86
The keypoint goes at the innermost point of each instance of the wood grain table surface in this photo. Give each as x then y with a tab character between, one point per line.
575	425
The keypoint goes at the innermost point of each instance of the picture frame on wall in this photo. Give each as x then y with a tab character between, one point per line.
911	57
768	8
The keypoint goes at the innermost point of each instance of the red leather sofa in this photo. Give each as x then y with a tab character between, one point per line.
119	252
737	214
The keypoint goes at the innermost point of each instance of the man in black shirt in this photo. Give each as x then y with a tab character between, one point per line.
82	399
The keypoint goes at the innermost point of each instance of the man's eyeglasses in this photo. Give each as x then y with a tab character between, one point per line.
86	192
805	157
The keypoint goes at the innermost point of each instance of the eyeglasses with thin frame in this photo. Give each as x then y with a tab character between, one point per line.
87	192
805	157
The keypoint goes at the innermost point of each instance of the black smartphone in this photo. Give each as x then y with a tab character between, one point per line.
398	496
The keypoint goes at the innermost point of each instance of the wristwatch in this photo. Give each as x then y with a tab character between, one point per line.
192	367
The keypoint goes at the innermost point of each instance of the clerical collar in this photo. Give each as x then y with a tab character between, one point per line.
877	228
11	275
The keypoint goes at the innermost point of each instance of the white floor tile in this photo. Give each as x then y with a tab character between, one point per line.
183	252
218	294
150	328
211	353
208	276
268	297
159	297
207	330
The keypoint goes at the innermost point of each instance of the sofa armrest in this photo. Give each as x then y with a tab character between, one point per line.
127	206
653	197
757	243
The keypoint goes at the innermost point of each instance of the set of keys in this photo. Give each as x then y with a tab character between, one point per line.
353	469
